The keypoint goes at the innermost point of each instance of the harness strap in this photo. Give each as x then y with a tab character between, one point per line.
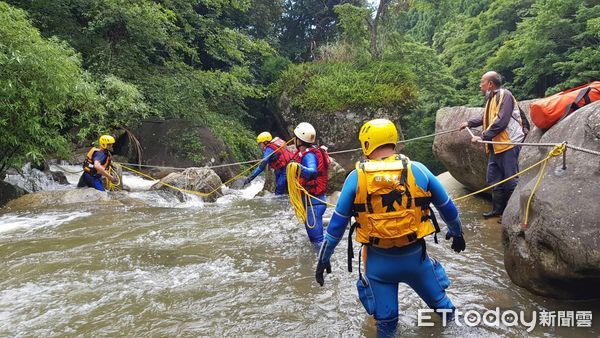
435	224
360	276
403	177
359	207
350	248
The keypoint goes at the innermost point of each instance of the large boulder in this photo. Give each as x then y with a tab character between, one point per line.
52	198
467	162
336	175
337	131
269	186
177	143
202	180
558	254
9	192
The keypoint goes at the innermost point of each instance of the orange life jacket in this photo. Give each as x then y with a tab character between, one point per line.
318	185
88	164
284	156
390	208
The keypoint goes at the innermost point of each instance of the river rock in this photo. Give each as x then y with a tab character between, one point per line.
467	162
9	192
336	175
337	131
203	180
177	143
52	198
269	187
558	254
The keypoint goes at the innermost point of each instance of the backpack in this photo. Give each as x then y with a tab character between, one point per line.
550	110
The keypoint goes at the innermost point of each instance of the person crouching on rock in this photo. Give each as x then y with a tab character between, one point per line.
277	155
96	163
390	196
314	162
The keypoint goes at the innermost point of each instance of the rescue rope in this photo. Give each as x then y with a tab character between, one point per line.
300	198
293	177
556	151
242	173
110	186
330	153
401	141
68	171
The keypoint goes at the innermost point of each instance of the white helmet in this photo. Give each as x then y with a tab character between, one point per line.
306	132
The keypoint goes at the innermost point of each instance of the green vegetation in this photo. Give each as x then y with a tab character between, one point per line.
331	86
70	69
185	145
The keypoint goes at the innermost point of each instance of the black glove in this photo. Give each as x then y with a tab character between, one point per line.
458	242
321	267
247	181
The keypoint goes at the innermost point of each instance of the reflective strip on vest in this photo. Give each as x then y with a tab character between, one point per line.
391	209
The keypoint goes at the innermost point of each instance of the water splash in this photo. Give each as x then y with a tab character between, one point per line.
30	221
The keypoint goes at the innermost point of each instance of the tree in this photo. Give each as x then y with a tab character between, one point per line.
307	25
555	47
39	80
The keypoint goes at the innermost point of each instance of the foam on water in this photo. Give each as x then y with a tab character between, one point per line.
137	183
72	172
249	192
29	221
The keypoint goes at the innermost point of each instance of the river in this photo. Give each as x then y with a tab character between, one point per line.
239	267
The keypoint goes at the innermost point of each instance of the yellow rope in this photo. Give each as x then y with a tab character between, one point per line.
202	194
110	186
294	191
556	151
300	198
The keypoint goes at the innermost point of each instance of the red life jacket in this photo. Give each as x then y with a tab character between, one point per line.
318	185
283	155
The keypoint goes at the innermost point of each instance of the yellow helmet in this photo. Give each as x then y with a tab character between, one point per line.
264	137
376	133
306	132
105	141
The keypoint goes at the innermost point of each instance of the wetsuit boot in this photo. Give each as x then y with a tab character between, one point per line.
498	204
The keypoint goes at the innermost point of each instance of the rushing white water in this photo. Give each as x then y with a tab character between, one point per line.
239	267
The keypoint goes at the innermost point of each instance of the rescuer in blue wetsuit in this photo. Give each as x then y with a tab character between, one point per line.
314	162
96	163
390	197
277	156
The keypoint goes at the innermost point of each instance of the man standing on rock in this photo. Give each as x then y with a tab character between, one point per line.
97	161
277	156
501	122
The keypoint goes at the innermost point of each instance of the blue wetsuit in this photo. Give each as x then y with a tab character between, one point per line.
314	222
386	268
280	175
93	180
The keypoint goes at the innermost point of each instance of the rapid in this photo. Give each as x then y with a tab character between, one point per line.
241	266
